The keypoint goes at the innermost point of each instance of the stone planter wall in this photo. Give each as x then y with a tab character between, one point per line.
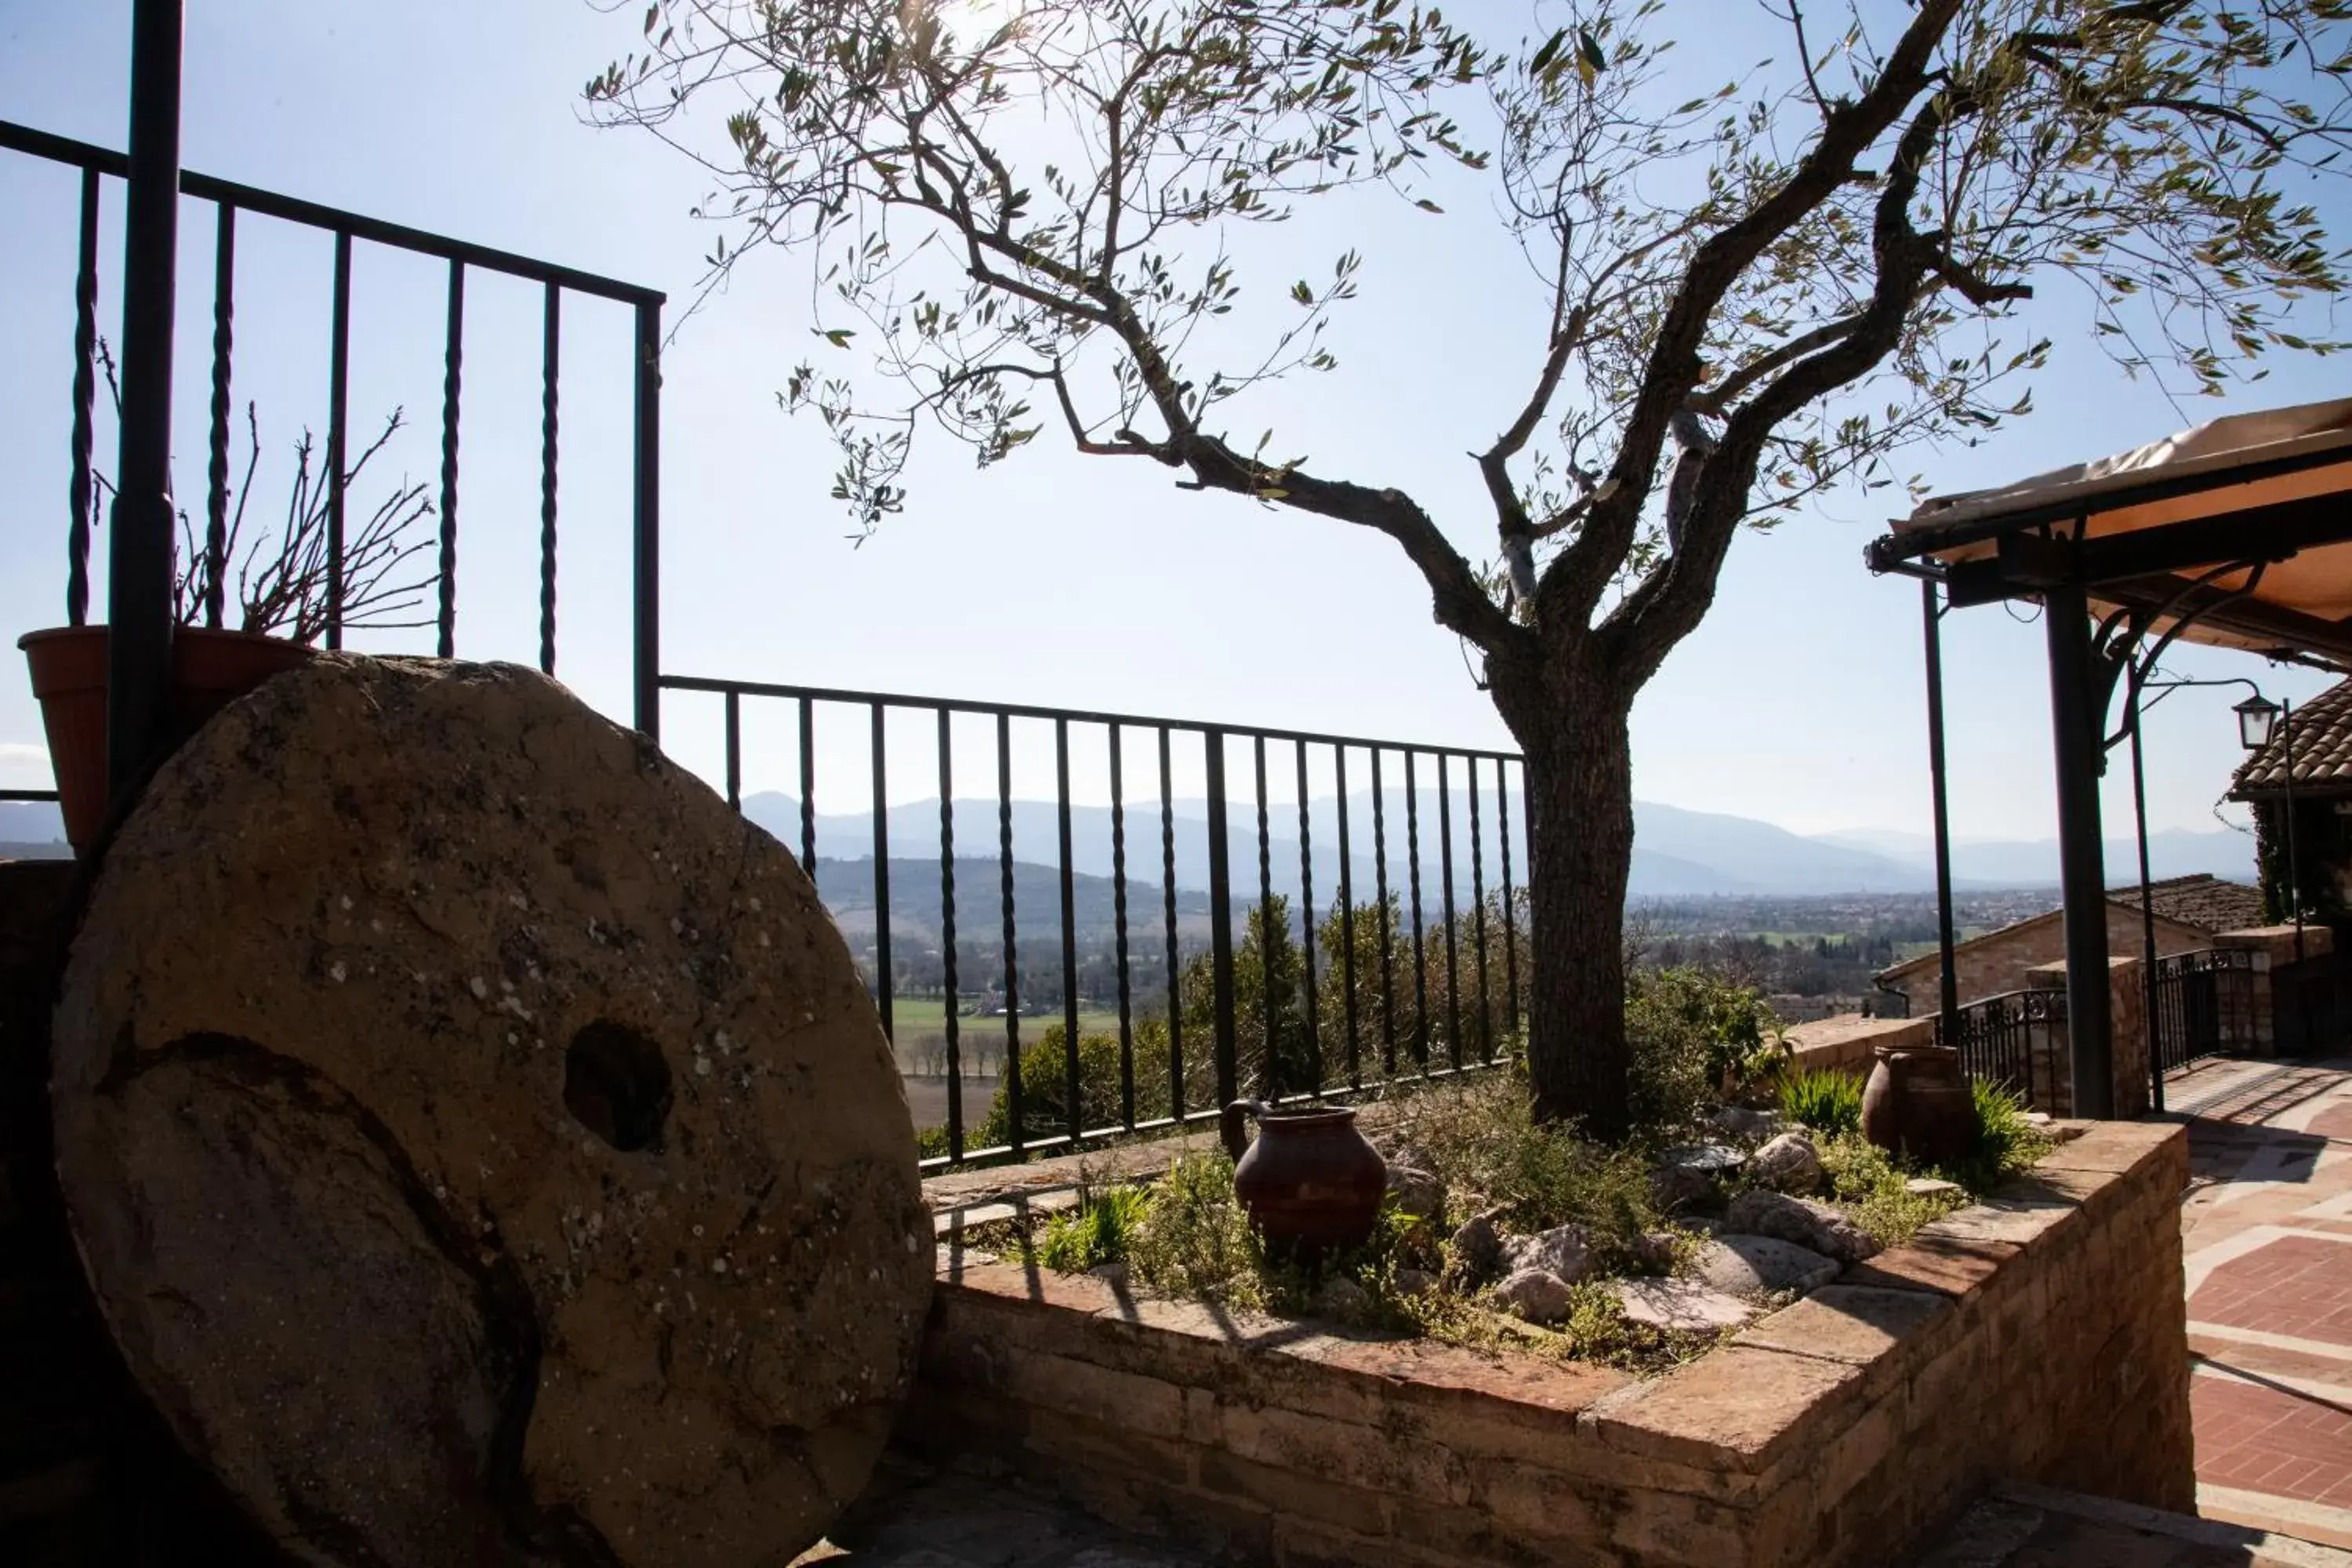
2037	1337
1847	1043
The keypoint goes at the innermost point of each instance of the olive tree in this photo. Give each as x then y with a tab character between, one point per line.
1027	218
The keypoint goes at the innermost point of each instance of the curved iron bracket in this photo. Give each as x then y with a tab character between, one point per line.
2121	632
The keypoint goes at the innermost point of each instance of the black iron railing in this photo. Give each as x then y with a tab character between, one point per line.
1397	950
2003	1037
229	201
1181	994
2204	1007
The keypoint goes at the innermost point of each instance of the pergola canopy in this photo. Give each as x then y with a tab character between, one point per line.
2241	528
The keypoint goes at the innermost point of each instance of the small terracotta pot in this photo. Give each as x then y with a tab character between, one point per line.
210	669
1917	1103
1310	1183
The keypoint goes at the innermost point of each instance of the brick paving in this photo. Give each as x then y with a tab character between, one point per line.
2300	1286
2028	1527
2261	1438
2267	1229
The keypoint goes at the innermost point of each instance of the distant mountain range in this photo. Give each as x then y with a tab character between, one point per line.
848	890
2027	863
1676	853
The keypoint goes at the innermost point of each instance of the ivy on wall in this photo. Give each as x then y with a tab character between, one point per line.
2322	845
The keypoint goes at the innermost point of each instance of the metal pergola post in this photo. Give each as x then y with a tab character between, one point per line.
140	583
1948	989
2146	905
2076	732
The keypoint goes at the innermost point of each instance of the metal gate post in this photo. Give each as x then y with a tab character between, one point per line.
140	577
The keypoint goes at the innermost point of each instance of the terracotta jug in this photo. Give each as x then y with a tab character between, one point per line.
1916	1103
1310	1183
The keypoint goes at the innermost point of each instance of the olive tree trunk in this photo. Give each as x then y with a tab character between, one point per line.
1571	730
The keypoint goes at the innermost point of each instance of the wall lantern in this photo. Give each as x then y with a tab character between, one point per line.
2257	719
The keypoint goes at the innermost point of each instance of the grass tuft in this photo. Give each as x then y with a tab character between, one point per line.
1827	1101
1097	1232
2006	1144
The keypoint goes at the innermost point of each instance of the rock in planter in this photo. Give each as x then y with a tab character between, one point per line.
479	1139
1683	1304
1932	1187
1343	1298
1809	1224
1739	1121
1715	1160
1757	1265
1476	1249
1415	1281
1789	1163
1562	1251
1655	1249
1536	1294
1687	1174
1417	1193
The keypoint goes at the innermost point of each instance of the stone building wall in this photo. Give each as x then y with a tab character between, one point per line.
2037	1337
2003	962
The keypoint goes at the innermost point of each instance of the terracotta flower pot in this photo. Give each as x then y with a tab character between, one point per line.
1310	1183
1916	1103
209	671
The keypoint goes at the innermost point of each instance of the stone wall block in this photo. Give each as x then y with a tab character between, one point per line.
1146	1406
1672	1527
1539	1501
1357	1456
1475	1534
1291	1493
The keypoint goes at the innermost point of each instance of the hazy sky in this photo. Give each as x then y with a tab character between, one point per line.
1052	579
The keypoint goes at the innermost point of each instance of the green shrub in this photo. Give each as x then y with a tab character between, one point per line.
1828	1103
1097	1232
1194	1240
1596	1331
1045	1088
1481	1137
1868	1185
1694	1039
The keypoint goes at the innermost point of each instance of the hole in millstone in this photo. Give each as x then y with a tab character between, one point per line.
616	1085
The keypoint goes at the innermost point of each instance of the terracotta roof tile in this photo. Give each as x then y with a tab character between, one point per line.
2202	900
2323	751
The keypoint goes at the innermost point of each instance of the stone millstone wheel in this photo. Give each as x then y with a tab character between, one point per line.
479	1139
